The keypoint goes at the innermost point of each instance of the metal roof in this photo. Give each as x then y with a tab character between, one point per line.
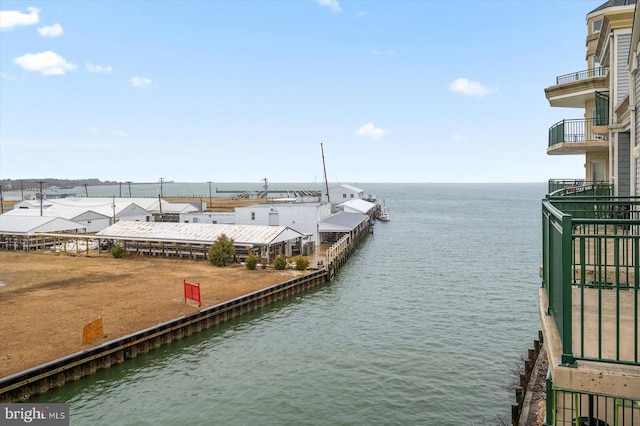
199	232
73	207
64	212
359	205
349	187
342	222
12	224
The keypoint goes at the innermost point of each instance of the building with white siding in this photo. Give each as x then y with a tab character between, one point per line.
341	193
98	213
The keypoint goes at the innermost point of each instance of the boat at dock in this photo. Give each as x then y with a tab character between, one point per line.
384	215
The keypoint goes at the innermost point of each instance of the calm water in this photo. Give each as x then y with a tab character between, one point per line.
424	326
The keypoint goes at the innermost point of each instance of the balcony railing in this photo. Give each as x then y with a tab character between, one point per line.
582	75
591	275
572	408
559	187
574	131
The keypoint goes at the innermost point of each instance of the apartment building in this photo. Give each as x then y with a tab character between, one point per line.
589	300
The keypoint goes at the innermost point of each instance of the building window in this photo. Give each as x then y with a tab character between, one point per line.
344	195
596	26
351	195
253	215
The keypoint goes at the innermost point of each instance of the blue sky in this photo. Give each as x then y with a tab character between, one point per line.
235	91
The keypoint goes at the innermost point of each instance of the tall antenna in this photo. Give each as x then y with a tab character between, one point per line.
325	173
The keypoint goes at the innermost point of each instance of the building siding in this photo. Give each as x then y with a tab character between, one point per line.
622	74
636	79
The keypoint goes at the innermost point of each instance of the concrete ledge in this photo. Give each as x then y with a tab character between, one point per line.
618	380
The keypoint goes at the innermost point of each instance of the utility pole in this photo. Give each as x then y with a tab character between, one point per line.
21	191
113	205
40	182
120	190
129	188
161	195
160	204
86	191
266	190
210	202
1	201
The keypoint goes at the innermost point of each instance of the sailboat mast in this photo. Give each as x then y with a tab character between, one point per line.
325	173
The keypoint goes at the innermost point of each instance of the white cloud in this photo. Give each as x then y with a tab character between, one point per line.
333	5
10	19
140	82
468	88
371	131
99	68
119	133
383	52
54	30
46	63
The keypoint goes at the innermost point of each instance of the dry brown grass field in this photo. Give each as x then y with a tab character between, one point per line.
46	298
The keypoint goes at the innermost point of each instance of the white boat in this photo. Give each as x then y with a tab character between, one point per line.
384	215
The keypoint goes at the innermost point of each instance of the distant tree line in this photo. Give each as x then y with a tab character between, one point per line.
16	184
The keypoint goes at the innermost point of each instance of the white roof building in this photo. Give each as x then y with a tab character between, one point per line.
358	206
341	193
28	225
269	239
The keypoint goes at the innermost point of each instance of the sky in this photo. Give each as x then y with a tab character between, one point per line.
238	91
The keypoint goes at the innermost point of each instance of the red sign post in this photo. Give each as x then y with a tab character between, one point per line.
192	292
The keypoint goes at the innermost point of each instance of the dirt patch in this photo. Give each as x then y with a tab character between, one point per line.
47	298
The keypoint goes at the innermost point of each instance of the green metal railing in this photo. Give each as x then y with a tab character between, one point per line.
574	131
591	273
582	75
561	187
569	408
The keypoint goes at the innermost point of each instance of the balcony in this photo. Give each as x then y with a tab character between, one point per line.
576	136
561	187
573	90
590	307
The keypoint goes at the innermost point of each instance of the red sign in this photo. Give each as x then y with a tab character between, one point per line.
192	292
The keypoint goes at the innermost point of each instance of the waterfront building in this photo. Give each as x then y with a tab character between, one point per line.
193	240
359	206
31	225
303	217
336	226
589	301
341	193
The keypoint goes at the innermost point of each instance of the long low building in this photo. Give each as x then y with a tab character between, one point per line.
21	232
195	239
